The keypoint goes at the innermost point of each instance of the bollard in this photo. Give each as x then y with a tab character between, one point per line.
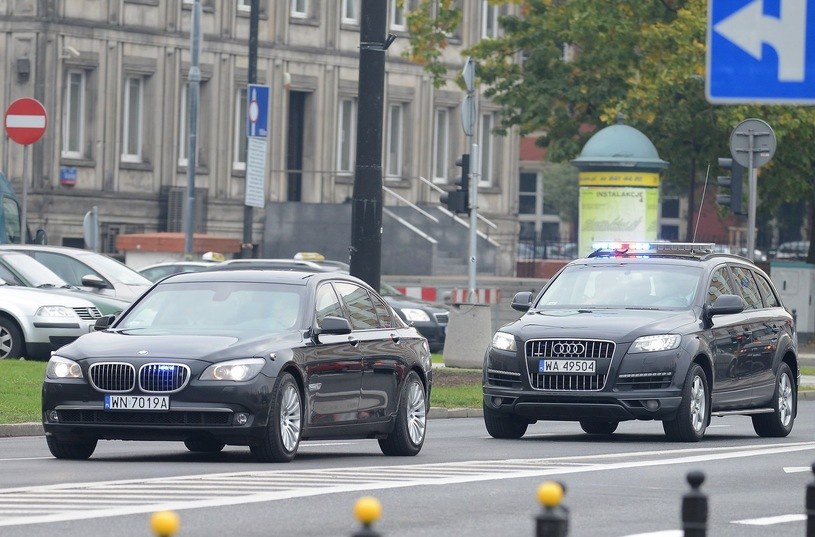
553	520
810	506
165	523
367	510
694	507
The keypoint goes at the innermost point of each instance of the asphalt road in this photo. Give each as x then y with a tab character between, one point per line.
462	483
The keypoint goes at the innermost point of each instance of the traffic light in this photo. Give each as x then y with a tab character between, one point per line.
734	181
458	200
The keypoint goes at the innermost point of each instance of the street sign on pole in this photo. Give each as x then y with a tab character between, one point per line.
753	137
257	129
257	111
468	115
760	51
26	121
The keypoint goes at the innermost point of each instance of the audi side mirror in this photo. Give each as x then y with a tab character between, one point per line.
522	301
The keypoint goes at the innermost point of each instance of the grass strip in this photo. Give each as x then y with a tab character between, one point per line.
20	390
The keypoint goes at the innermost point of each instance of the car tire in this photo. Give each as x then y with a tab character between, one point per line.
74	450
599	427
11	339
410	429
204	445
785	405
285	424
693	415
501	425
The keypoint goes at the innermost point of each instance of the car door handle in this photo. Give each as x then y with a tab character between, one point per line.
395	338
775	328
353	341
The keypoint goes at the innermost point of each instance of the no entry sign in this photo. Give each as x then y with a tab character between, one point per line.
26	120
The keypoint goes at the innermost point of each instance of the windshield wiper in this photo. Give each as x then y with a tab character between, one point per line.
46	286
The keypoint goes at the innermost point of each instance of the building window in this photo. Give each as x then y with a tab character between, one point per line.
489	20
245	5
350	11
441	145
398	21
239	146
183	127
73	115
133	110
395	127
486	148
528	193
346	151
299	9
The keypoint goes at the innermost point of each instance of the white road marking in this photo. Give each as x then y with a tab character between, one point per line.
23	505
797	469
25	459
663	533
770	520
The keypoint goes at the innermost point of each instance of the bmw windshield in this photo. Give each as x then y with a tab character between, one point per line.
634	286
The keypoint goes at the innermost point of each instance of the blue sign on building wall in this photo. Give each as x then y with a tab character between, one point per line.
257	110
760	51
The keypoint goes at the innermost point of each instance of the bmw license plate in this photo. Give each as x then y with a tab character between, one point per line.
137	402
567	366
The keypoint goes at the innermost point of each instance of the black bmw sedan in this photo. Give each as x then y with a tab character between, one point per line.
263	359
667	332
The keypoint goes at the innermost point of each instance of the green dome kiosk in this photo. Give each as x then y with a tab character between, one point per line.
619	187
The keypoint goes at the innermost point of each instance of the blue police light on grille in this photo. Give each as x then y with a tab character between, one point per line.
162	377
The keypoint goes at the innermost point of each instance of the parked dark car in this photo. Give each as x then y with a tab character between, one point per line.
428	318
263	359
669	332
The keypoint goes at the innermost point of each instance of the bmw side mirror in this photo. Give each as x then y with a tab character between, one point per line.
103	323
522	301
332	325
92	280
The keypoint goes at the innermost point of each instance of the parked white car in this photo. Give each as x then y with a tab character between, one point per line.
33	323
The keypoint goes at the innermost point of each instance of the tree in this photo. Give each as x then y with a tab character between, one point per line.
567	67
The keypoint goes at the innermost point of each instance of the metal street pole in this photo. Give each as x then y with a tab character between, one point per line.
192	153
751	211
254	18
24	216
366	209
476	176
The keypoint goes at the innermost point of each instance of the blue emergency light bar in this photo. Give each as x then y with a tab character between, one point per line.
612	249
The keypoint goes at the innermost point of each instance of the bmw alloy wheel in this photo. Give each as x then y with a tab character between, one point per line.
290	418
416	412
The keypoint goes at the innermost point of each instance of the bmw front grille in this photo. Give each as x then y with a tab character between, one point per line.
113	377
163	378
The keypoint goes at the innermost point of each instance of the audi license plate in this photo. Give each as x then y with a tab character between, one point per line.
137	402
567	366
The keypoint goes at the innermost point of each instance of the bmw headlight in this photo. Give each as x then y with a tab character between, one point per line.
62	368
416	316
55	311
236	370
503	341
664	342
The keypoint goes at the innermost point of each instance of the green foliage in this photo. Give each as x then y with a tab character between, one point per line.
561	189
567	67
430	25
20	388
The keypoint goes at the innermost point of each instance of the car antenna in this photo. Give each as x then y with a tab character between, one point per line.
701	204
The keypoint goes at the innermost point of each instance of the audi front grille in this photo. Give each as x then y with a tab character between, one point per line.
163	378
113	377
569	349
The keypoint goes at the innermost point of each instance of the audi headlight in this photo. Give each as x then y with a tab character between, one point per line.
416	316
503	341
237	370
62	368
664	342
55	311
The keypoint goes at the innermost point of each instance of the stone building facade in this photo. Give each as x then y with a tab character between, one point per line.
113	76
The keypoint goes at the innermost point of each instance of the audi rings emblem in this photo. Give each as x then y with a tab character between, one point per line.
570	349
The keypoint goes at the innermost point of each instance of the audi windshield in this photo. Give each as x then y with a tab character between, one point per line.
636	286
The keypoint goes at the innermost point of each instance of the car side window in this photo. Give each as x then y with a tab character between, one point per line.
360	308
327	303
719	285
68	269
767	291
383	313
747	286
9	277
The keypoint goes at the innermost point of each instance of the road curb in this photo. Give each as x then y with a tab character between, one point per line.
21	429
443	413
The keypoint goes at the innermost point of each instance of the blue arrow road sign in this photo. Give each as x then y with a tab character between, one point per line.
761	51
257	110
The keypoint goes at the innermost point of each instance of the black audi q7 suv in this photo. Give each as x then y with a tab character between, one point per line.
668	332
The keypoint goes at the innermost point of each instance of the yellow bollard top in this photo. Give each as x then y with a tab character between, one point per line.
550	494
164	523
367	509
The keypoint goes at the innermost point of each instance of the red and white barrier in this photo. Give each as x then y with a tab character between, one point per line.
429	294
482	296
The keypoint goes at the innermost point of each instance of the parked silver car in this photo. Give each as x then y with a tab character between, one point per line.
88	270
33	323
